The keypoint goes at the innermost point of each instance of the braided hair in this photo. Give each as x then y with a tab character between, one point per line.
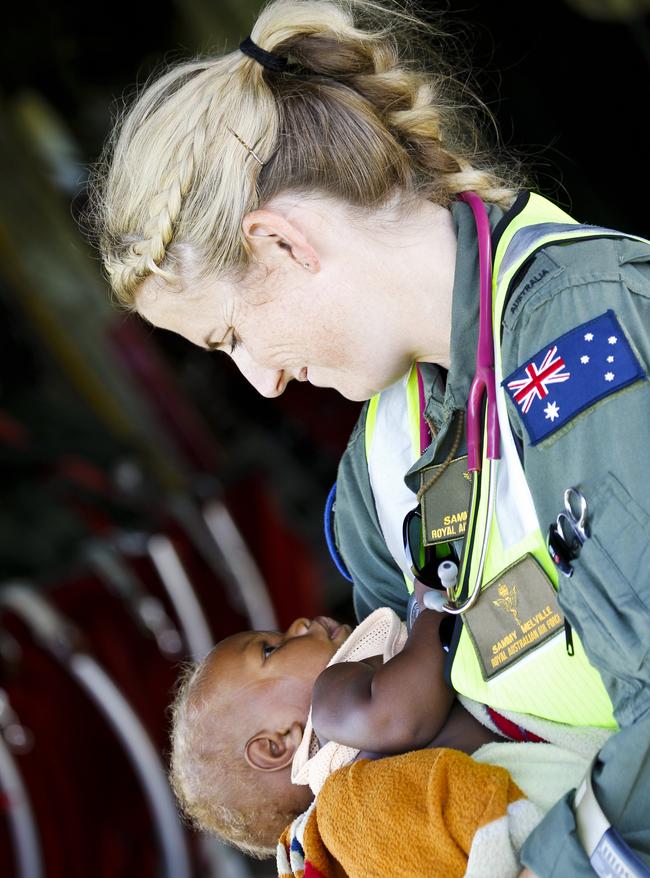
365	109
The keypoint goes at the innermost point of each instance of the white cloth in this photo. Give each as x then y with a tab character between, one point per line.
584	741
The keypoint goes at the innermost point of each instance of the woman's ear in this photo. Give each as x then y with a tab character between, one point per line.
268	230
271	751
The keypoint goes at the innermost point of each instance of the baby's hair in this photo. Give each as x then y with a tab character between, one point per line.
207	769
366	110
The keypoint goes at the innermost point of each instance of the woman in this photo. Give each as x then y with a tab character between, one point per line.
299	205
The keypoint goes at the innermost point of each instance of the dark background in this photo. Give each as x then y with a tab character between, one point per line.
103	421
568	82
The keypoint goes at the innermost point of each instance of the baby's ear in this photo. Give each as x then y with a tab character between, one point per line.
271	751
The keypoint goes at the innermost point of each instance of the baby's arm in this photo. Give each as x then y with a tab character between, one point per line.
387	708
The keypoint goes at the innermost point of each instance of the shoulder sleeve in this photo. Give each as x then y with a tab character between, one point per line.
377	581
602	449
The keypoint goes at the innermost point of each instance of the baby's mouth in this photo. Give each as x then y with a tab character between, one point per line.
332	627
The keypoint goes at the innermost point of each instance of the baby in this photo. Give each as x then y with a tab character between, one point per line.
239	717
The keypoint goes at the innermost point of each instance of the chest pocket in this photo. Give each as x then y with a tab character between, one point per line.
615	589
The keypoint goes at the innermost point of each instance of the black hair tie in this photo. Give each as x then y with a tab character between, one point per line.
269	60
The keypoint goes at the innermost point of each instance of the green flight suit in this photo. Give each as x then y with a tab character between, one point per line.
604	450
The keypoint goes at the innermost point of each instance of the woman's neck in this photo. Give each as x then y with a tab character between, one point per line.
426	264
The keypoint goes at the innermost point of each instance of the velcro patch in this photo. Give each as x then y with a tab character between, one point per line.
516	613
445	504
571	373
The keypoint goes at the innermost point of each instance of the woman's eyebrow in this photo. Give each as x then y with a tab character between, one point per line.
211	345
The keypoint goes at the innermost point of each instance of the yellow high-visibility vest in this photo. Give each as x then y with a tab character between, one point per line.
547	682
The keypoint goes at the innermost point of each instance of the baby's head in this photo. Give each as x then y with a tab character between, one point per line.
238	719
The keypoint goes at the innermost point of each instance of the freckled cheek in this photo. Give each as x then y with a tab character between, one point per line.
298	338
328	347
259	347
269	342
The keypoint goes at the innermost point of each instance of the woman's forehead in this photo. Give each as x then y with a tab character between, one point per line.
198	314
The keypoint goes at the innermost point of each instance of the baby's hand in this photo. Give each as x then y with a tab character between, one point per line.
420	590
424	598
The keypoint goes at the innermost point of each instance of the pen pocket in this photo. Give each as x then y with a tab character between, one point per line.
610	593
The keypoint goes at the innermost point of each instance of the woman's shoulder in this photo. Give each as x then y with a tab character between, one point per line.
576	330
565	274
569	283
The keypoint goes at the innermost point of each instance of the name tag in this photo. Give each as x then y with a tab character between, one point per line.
515	613
445	504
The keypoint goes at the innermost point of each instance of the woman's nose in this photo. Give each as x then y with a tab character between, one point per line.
267	382
298	627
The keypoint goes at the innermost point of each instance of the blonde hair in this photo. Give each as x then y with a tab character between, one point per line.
209	775
367	109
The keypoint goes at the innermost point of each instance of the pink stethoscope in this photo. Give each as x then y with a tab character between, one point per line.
484	381
483	384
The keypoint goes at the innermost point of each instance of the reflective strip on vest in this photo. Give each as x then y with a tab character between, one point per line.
547	682
392	447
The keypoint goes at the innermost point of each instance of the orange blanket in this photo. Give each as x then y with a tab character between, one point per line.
428	812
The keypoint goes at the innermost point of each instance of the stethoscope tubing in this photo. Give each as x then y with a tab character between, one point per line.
484	382
484	379
450	606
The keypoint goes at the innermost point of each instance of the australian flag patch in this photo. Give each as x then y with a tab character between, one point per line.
571	373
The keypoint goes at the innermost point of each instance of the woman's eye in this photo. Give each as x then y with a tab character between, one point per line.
234	341
267	649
